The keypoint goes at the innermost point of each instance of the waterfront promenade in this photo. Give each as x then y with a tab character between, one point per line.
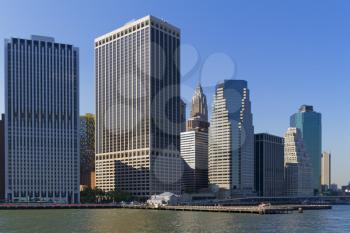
275	209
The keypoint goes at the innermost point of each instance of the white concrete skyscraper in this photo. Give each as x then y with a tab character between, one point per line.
231	140
138	108
42	120
297	165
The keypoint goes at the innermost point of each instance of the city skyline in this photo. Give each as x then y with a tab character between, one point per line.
335	133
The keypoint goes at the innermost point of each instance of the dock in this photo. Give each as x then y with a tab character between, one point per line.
274	209
249	209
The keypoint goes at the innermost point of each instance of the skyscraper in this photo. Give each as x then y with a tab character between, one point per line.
199	112
2	157
231	139
183	115
310	125
87	151
194	145
194	151
297	165
269	165
42	120
138	108
326	171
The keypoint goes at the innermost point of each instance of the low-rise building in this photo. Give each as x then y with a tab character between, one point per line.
165	198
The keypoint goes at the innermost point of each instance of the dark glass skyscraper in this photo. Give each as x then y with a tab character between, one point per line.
269	165
2	157
310	124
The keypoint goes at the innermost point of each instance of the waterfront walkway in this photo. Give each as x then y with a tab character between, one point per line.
275	209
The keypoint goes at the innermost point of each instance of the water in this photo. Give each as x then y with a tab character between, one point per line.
135	221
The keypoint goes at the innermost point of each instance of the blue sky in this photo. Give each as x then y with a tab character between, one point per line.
291	52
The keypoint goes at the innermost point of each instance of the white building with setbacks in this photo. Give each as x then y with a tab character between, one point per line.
231	140
297	165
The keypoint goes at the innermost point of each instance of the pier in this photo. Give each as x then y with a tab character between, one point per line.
248	209
275	209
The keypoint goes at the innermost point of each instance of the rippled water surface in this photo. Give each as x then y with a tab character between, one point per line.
126	220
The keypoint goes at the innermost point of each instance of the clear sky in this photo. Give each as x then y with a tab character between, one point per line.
291	52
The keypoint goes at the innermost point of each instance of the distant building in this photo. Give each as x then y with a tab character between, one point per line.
2	157
333	187
87	151
310	124
269	165
326	171
138	106
183	115
298	169
231	140
199	113
194	145
42	120
194	151
346	189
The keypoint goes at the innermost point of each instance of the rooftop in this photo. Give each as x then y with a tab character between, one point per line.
306	108
133	23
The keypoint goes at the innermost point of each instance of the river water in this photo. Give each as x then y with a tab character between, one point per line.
155	221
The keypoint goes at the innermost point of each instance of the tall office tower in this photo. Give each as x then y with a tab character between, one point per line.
297	165
183	115
42	120
199	112
87	151
194	145
138	108
194	151
2	157
310	125
269	165
326	180
231	140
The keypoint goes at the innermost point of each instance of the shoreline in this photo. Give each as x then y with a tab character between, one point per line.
253	209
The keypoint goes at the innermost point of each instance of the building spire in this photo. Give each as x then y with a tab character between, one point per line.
199	111
199	104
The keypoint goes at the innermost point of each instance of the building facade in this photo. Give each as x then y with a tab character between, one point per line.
231	140
87	151
326	180
42	120
183	115
269	165
138	108
194	145
310	124
297	165
2	157
194	151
